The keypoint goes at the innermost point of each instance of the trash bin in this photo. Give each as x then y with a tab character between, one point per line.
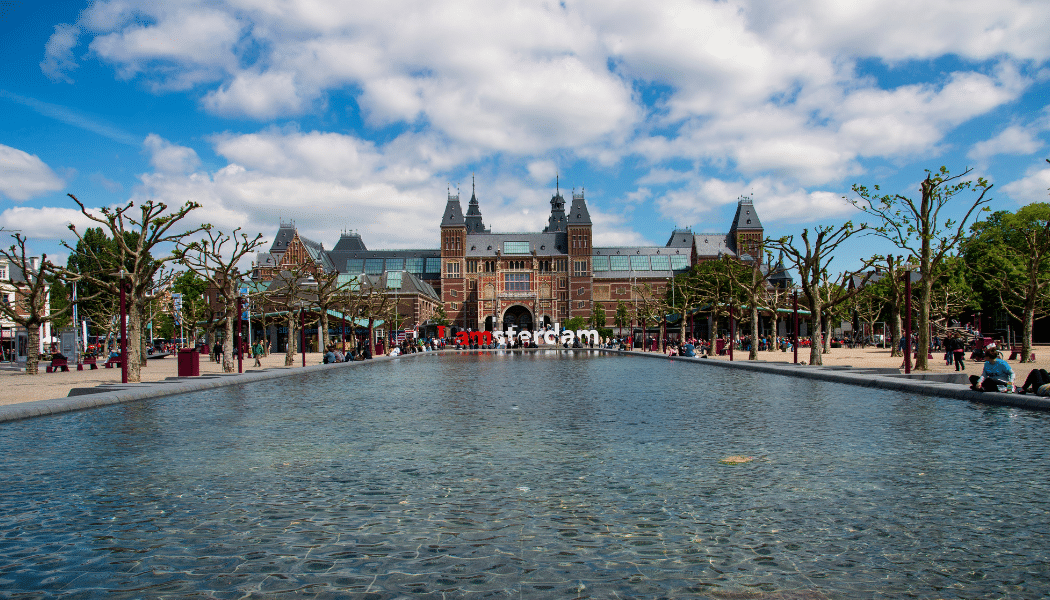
189	363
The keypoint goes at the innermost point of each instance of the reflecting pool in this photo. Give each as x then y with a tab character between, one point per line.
528	475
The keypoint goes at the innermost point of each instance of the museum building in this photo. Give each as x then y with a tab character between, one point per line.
490	281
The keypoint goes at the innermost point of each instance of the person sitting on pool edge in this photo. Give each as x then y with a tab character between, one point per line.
1038	383
997	375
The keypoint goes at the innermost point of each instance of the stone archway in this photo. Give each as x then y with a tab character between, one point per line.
518	316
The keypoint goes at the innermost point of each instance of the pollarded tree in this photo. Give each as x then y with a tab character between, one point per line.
811	262
598	318
135	236
623	316
216	258
752	283
716	291
920	228
1011	253
29	285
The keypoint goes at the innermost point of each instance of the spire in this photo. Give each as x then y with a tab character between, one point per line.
556	222
473	220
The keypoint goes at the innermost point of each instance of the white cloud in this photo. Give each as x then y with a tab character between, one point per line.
169	158
24	175
46	223
58	53
1012	140
1031	188
775	201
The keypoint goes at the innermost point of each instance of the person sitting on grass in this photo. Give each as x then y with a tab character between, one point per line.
997	375
1038	383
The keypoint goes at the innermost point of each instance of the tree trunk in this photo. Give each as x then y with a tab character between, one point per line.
371	337
896	333
33	350
133	344
289	351
753	354
922	346
816	307
1026	334
322	330
663	335
228	341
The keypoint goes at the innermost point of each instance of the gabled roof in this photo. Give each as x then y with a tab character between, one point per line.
680	238
710	245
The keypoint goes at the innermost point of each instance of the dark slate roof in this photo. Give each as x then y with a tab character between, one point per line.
578	214
266	259
284	236
410	284
350	242
712	244
556	222
453	213
680	238
543	244
746	216
473	220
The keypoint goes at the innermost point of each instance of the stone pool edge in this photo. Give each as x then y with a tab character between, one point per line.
129	392
859	377
851	376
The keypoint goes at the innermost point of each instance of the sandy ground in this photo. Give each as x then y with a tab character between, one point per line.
16	386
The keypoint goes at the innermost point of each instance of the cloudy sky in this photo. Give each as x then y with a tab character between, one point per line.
357	115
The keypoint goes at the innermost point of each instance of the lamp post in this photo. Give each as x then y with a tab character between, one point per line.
907	321
794	342
240	344
302	332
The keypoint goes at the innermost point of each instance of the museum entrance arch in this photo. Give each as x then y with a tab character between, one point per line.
519	317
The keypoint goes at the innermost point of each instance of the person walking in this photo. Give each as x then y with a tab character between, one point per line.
257	350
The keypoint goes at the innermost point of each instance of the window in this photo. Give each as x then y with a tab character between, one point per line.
563	283
679	262
393	279
661	262
453	293
374	266
515	247
581	304
472	266
433	265
415	265
452	269
581	291
579	268
545	266
490	266
516	264
455	306
395	264
517	282
618	263
355	265
3	272
600	263
640	262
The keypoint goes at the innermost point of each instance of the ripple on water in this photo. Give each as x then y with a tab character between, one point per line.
532	476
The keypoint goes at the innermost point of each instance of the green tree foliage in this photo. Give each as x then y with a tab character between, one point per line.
921	229
1010	252
623	316
598	318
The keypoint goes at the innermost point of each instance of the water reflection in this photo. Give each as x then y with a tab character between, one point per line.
530	475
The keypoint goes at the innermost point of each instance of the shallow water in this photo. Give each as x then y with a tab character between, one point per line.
531	475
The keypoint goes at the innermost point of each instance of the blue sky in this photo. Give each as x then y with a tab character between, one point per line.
360	115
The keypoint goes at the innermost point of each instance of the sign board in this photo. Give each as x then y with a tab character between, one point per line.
244	291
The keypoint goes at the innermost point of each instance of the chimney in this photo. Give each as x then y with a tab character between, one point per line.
34	263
